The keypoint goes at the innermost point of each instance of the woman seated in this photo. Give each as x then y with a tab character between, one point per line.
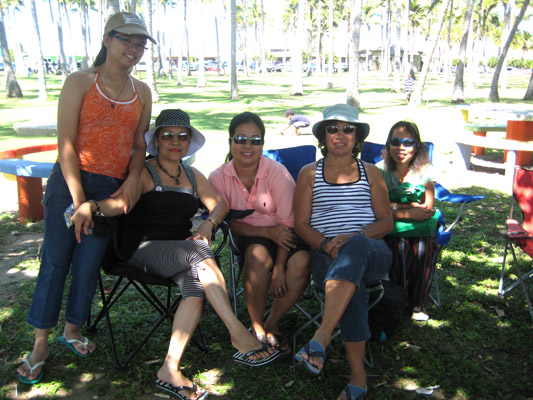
275	258
156	239
342	211
405	159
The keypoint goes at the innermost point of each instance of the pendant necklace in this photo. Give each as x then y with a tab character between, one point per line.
113	101
176	178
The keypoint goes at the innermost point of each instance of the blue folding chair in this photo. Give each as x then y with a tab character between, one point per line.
372	154
293	158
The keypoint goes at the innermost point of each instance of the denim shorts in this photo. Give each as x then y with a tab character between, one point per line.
363	262
62	254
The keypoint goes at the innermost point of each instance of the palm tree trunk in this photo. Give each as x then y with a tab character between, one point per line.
493	95
62	57
297	79
417	95
12	86
396	81
352	91
262	42
186	37
83	20
150	73
318	59
233	50
458	88
330	42
43	94
201	68
405	39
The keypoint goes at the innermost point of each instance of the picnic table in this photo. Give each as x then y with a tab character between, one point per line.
518	128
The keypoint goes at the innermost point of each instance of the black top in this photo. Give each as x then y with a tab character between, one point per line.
164	213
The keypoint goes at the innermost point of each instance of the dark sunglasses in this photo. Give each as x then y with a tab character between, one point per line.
407	142
128	43
346	129
241	139
168	136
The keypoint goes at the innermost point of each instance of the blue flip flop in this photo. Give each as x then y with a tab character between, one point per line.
312	349
24	379
69	343
353	392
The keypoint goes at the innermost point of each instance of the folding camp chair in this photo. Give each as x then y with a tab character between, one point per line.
520	235
129	276
372	153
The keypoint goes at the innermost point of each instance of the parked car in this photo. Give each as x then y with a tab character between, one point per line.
211	66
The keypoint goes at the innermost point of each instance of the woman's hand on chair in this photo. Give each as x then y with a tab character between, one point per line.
83	220
283	236
278	282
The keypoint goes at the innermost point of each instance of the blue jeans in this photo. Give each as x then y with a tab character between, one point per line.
363	262
63	254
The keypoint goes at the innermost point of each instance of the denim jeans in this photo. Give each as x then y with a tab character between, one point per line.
63	254
363	262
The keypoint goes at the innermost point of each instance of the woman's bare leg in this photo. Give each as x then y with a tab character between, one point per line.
185	322
297	279
256	279
215	289
356	358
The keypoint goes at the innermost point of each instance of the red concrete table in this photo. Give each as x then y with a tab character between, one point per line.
519	122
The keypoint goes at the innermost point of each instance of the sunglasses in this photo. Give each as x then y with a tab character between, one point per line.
128	43
241	139
407	142
346	129
168	136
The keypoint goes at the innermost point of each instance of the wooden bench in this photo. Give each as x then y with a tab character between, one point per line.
29	178
481	130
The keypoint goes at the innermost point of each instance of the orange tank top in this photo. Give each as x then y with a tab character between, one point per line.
105	133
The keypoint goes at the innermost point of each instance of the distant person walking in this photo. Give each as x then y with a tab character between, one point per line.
409	84
296	121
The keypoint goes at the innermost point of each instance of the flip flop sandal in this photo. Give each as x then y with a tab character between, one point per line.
353	392
245	358
312	349
168	387
69	343
24	379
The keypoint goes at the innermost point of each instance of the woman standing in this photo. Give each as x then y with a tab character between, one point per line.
275	259
342	211
405	160
102	115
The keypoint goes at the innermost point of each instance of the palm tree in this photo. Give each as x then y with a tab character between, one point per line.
188	65
417	95
297	79
150	73
200	82
493	95
59	24
43	94
458	88
233	49
83	19
352	90
12	86
330	45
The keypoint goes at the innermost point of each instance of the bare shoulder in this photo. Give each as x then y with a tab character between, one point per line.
81	79
374	173
308	172
197	173
142	87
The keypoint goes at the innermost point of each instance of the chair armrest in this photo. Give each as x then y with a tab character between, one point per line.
442	194
515	230
225	225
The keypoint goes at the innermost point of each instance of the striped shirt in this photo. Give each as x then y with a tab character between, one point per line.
341	208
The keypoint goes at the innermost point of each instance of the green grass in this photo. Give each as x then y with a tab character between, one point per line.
476	346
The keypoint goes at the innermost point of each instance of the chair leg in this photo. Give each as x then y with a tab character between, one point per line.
520	281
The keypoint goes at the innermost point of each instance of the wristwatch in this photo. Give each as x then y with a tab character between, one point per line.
98	212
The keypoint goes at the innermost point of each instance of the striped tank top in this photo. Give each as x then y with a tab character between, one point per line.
105	133
343	207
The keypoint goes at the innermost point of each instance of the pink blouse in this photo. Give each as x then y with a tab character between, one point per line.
271	196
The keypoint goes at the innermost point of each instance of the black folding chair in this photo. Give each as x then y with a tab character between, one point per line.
128	276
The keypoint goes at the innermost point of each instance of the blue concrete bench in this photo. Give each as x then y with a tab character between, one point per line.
27	168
